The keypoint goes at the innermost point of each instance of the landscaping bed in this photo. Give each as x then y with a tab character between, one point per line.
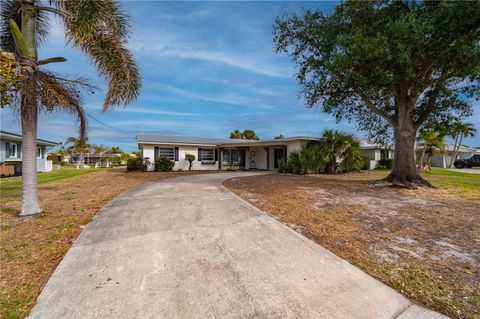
424	243
31	248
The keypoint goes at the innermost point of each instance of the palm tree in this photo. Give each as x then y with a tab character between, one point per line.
460	130
340	149
237	135
245	135
430	143
250	135
100	30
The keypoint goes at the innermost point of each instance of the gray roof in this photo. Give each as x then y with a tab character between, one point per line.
177	139
462	149
194	140
4	135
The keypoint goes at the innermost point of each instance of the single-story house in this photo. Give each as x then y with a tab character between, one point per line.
103	159
443	159
11	152
225	154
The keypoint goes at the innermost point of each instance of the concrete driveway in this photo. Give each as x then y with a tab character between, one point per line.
466	170
188	248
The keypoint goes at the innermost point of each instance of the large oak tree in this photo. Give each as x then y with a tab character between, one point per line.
391	66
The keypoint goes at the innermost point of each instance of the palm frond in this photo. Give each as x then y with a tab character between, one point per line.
10	9
57	93
100	29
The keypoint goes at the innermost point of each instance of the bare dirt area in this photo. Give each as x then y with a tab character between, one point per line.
31	248
424	243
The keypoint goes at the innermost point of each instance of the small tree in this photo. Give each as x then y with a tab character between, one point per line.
430	143
391	66
190	158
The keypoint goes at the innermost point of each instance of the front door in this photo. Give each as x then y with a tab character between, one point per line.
241	159
278	154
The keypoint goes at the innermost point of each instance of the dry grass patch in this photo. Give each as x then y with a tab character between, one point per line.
424	243
31	248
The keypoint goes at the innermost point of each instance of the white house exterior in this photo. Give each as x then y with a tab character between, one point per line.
224	154
443	159
11	151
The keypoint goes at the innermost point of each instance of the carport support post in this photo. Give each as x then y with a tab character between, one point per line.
220	158
267	149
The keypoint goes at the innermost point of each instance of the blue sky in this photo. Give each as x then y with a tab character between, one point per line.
208	68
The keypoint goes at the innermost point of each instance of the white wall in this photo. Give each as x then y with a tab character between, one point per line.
149	151
260	157
197	165
44	165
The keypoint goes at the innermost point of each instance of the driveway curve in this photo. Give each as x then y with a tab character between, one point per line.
187	247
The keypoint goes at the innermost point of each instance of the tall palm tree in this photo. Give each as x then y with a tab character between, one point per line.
460	130
100	30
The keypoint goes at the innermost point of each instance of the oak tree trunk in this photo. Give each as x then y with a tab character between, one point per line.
29	115
404	171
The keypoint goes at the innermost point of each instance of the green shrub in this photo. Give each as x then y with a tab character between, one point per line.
386	163
55	159
294	163
163	164
136	164
366	161
115	161
283	166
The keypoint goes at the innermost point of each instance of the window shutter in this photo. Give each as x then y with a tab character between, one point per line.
7	149
176	154
199	154
155	153
19	150
216	154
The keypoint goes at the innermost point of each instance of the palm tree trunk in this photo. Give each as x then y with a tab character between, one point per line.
452	159
458	147
420	160
29	114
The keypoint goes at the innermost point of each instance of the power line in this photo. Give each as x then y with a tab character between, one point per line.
106	125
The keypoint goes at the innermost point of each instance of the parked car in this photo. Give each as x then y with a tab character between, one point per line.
469	162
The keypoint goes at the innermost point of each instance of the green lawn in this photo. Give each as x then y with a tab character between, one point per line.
13	185
467	184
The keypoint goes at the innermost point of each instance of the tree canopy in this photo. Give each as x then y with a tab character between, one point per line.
390	66
245	135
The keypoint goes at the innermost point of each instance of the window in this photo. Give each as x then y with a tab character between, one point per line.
11	150
384	154
167	153
208	154
39	152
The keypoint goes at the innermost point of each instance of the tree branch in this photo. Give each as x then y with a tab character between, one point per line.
372	106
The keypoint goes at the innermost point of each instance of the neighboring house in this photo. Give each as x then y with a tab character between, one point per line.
92	158
225	154
11	152
443	159
375	153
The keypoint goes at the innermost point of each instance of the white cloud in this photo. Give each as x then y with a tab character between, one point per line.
180	44
231	98
142	110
